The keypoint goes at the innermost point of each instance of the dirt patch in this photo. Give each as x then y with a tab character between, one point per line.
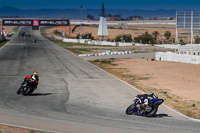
8	29
177	83
11	129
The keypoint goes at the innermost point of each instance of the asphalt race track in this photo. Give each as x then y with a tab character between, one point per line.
72	95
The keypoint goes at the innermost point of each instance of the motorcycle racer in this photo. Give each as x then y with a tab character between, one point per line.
144	105
145	99
32	79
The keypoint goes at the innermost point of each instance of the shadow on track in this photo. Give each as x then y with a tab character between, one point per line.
39	94
161	115
155	116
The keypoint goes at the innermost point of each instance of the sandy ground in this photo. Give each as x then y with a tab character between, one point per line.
11	129
8	29
180	79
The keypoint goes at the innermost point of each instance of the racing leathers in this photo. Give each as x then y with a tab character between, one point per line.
32	80
145	99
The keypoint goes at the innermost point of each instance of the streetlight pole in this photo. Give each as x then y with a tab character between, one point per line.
69	29
81	21
2	27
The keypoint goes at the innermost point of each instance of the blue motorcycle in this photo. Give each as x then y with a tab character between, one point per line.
148	110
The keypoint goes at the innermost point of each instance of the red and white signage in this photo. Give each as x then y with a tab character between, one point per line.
35	23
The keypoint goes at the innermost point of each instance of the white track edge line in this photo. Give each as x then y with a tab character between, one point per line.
28	128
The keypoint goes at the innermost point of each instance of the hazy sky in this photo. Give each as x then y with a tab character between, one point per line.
114	4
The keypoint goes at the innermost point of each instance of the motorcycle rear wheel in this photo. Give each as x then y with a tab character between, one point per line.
152	112
27	90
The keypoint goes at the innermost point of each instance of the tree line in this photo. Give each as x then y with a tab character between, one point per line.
145	38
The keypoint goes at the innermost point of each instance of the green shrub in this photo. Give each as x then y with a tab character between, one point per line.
182	42
112	59
164	92
145	38
85	36
105	61
124	37
56	32
97	60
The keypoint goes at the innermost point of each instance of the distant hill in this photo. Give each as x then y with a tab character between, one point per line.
81	14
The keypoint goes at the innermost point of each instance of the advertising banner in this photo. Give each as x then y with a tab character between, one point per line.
12	22
54	22
40	22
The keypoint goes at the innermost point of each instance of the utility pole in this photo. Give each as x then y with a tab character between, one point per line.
176	29
2	27
81	21
192	36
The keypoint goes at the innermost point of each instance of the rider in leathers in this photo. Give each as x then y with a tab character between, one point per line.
145	99
32	79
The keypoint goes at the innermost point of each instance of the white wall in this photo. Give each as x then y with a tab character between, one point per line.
185	58
58	37
126	44
96	42
172	46
70	40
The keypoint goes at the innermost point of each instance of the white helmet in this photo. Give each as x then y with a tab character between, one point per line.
152	94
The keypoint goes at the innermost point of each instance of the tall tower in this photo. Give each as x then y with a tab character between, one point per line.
102	30
103	10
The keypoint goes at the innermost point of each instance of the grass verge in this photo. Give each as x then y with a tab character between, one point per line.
3	42
16	31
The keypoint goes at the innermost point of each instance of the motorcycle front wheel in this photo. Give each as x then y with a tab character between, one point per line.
129	110
19	91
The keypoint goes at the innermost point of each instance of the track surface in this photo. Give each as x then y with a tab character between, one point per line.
73	95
